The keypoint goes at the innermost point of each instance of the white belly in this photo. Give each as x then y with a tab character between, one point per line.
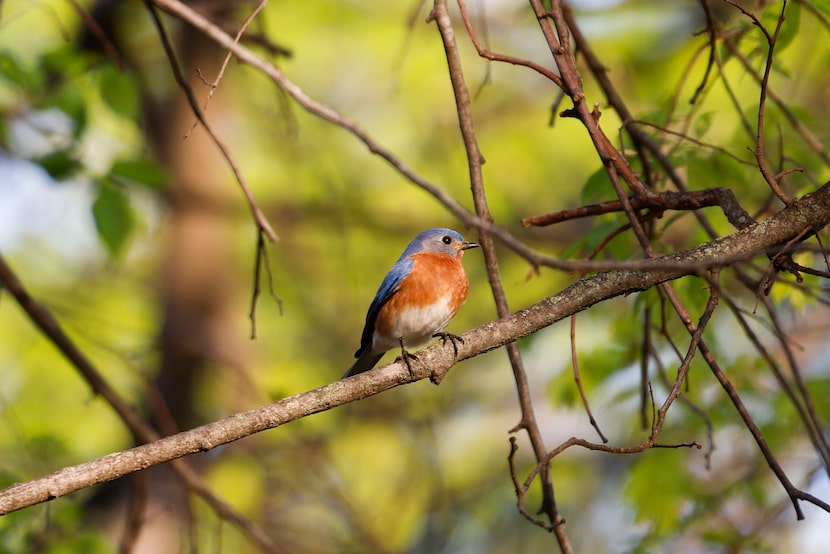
416	325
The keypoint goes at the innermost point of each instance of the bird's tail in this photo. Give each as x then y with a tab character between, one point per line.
365	362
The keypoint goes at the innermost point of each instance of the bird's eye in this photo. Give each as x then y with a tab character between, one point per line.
446	239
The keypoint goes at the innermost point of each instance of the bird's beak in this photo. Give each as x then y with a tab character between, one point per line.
467	245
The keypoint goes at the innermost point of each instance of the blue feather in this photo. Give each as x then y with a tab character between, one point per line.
428	241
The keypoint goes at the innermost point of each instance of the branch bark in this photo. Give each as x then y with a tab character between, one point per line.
810	212
475	160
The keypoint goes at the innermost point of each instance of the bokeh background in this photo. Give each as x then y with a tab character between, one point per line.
131	228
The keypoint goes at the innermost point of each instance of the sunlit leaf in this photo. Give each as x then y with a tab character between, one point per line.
790	26
139	172
118	91
12	70
114	218
822	6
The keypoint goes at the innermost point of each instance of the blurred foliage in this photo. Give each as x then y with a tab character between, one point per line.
420	468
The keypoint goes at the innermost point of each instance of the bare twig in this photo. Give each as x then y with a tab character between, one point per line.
215	84
328	114
811	211
732	392
793	492
809	138
492	56
258	215
711	34
261	264
100	35
759	144
660	202
684	399
805	407
475	160
696	332
578	380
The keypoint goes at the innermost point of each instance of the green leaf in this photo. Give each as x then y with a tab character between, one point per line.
59	165
822	6
587	241
65	64
118	91
114	218
702	124
139	172
654	489
12	70
70	100
597	188
789	28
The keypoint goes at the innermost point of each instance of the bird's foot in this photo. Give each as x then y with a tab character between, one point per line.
407	358
454	339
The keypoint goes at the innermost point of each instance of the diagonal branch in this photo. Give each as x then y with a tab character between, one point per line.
659	416
811	211
325	112
141	430
259	217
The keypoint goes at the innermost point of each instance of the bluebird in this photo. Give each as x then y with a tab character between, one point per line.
417	299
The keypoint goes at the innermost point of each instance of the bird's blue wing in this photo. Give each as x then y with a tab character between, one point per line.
387	290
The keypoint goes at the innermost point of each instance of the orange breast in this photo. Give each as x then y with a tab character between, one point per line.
435	280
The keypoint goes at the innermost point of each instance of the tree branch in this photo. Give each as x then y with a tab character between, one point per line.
257	213
811	211
475	160
141	430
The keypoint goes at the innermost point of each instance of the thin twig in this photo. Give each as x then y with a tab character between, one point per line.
805	407
215	84
578	380
711	35
811	211
492	56
809	138
475	160
328	114
759	144
261	263
258	215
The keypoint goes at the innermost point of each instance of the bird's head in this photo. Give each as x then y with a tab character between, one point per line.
439	241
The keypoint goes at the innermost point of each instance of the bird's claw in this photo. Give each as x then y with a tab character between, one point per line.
407	357
454	339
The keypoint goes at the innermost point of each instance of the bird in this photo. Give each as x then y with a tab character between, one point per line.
416	300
